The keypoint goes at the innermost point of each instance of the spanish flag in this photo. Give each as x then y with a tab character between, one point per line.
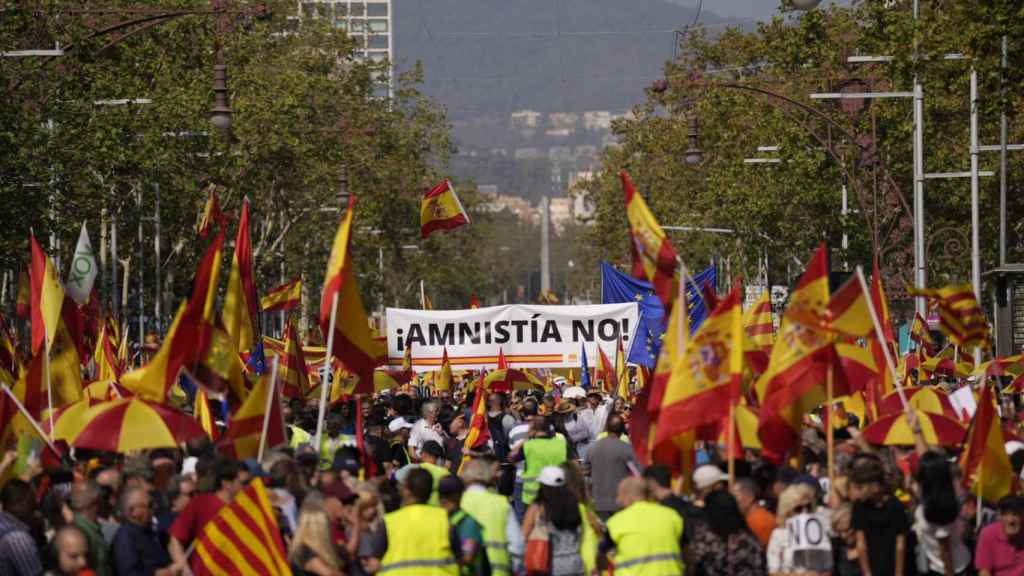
9	364
960	316
920	334
443	380
605	372
284	297
985	464
240	302
621	373
47	298
758	324
654	258
880	386
706	379
441	210
211	214
107	365
242	438
243	538
479	433
353	343
23	302
474	302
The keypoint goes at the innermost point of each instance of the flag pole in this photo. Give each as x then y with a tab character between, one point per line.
881	338
266	412
423	296
324	384
35	425
830	429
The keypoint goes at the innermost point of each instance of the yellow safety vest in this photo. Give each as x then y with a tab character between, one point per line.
437	472
418	543
646	537
491	511
299	437
589	541
541	452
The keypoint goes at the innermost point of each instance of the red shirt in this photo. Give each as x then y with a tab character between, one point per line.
997	555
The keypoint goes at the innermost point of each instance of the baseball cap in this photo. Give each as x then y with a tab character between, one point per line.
398	424
1013	445
552	476
707	476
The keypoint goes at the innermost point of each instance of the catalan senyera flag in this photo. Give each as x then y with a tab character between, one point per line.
292	372
654	258
443	380
758	324
960	316
985	465
242	438
621	372
354	344
241	306
243	538
919	333
605	372
47	298
706	379
441	210
287	296
479	433
202	413
211	214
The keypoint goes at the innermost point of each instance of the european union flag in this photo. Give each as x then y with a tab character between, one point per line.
584	369
258	360
618	288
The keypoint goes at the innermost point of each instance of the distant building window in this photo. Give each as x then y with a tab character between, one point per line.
377	25
378	41
340	10
341	24
357	9
378	56
308	9
377	9
324	10
358	26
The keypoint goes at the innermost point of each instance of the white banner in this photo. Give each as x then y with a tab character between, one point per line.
529	336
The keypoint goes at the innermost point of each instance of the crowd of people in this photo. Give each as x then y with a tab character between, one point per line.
556	490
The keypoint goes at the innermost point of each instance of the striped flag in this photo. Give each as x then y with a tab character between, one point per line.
960	316
985	465
211	214
202	413
47	298
621	373
23	302
474	302
243	538
353	343
284	297
441	210
654	258
242	438
882	384
920	334
757	322
293	374
443	379
479	433
605	372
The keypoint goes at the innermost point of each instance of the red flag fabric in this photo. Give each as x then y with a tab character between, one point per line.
654	258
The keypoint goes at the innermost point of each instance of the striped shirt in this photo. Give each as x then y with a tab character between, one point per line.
19	554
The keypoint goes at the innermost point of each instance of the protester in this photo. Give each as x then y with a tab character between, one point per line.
19	554
646	537
610	461
1000	549
760	521
557	510
937	523
85	503
70	552
798	498
431	456
312	551
416	539
471	547
137	549
491	510
880	520
723	544
426	429
543	449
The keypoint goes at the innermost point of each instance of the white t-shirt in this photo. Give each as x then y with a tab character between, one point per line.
928	536
421	433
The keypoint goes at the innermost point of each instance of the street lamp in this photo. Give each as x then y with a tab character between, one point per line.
693	153
220	114
805	5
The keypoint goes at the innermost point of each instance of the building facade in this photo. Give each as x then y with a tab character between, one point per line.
368	23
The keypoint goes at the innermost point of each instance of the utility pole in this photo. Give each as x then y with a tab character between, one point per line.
545	244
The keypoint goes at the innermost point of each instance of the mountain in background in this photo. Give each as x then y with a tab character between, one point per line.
493	57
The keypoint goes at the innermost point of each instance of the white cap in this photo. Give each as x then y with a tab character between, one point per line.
1013	445
707	476
188	466
552	476
398	424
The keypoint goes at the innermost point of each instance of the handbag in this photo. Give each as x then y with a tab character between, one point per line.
537	557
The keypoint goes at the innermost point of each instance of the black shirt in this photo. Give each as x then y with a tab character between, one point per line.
881	524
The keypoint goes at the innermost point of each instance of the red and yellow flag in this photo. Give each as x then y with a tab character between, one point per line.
242	438
479	433
292	372
23	302
47	298
287	296
654	258
474	302
108	367
621	373
706	379
441	210
758	324
985	464
920	333
443	379
243	538
960	316
605	372
353	343
211	214
883	383
240	301
202	413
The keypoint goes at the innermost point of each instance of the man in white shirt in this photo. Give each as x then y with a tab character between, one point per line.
425	429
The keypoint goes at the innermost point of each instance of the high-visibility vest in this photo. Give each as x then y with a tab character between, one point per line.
646	537
541	452
437	472
299	437
418	543
589	541
328	446
491	511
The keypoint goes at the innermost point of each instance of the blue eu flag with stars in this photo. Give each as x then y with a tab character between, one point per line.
619	288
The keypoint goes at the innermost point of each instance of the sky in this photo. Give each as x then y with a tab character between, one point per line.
759	9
